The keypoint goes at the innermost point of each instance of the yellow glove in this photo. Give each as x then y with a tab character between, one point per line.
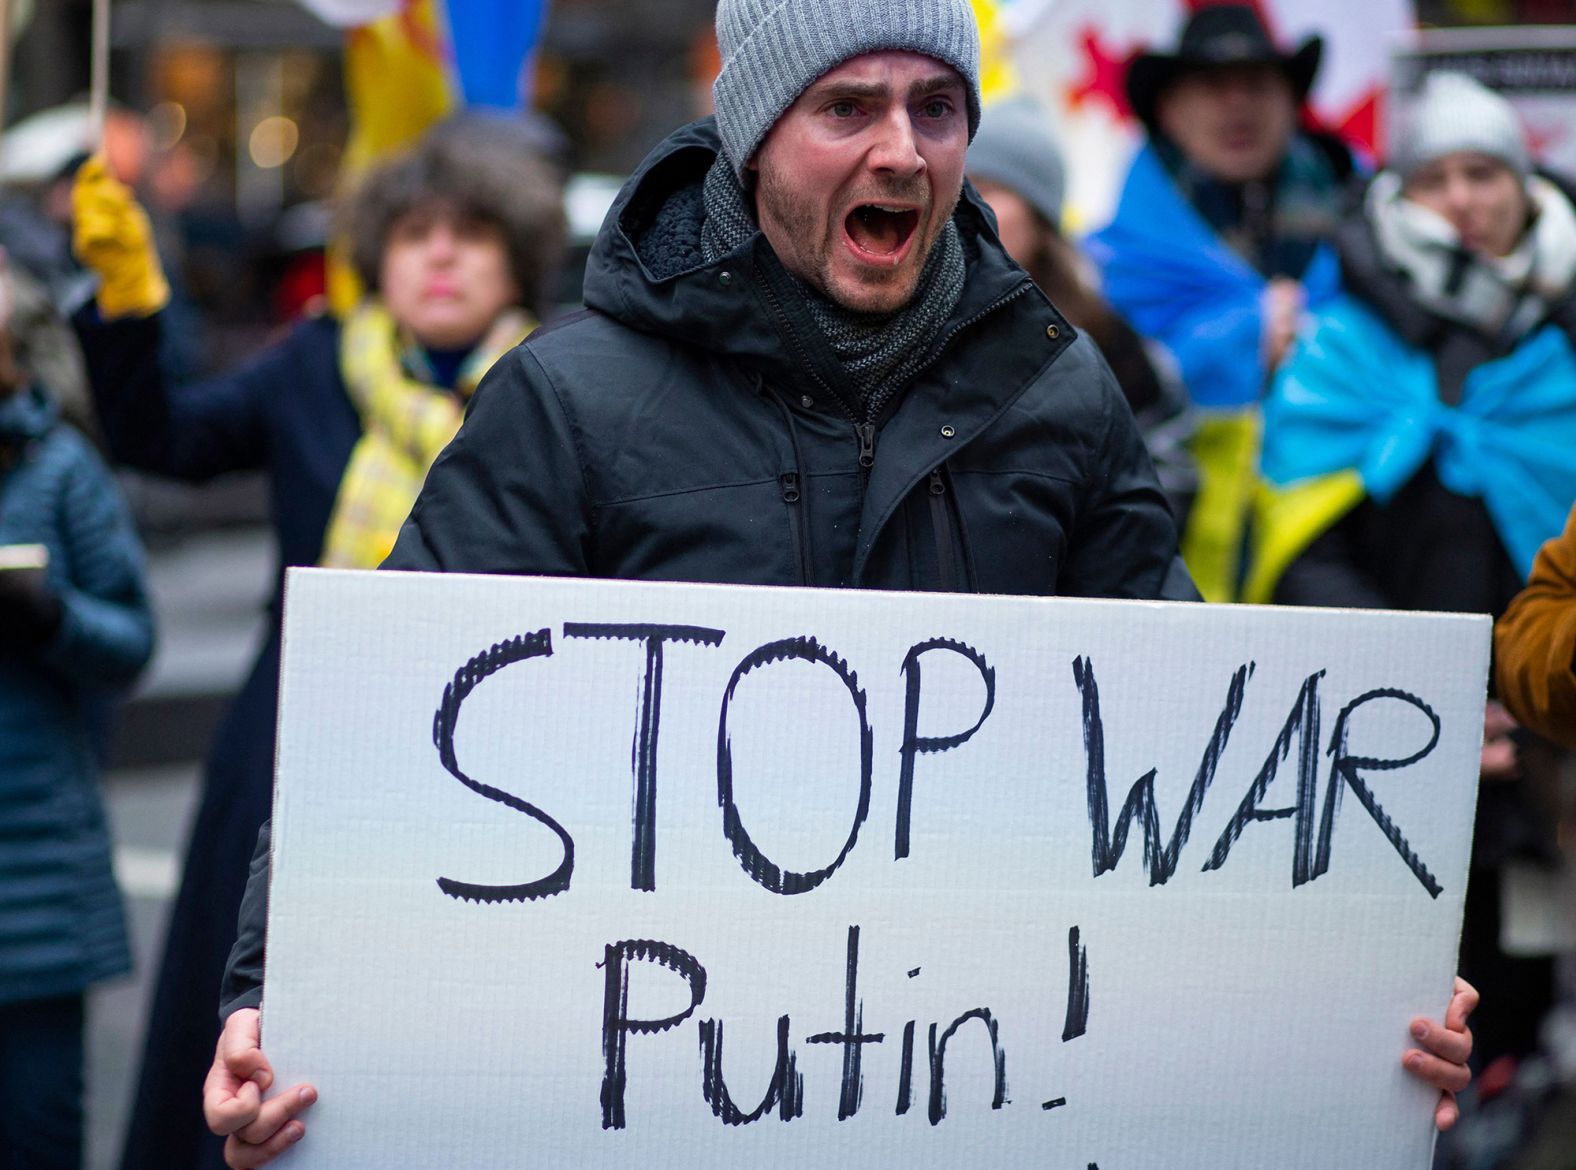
111	235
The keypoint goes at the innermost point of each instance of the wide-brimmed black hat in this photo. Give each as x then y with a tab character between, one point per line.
1222	35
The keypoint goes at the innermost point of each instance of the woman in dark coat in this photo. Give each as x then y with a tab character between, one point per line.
455	244
74	623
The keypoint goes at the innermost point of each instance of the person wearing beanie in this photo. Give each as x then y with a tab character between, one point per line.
1419	438
75	630
805	361
1219	243
1016	166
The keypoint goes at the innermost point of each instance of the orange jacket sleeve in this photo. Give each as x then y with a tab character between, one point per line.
1535	642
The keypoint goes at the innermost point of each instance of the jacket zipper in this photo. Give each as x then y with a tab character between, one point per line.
942	524
789	482
1005	298
864	432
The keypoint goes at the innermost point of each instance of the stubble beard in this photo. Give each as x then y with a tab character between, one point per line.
815	241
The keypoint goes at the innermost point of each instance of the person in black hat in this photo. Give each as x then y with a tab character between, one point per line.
1218	242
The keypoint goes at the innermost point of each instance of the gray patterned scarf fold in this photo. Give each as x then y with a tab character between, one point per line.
880	353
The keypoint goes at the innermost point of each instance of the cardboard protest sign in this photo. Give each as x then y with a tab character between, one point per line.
597	874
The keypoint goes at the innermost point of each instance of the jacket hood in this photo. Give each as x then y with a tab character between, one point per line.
27	414
732	304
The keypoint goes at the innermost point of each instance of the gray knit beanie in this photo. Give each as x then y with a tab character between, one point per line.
1453	112
772	50
1014	148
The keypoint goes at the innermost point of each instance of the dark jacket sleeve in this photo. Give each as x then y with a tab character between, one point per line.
1125	542
191	432
1535	644
508	495
242	986
106	629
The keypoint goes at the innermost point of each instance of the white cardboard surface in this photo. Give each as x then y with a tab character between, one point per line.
1234	1017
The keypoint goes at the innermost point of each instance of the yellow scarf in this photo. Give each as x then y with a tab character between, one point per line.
404	424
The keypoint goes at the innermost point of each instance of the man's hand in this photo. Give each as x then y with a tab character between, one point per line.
255	1131
1440	1059
1501	756
1284	299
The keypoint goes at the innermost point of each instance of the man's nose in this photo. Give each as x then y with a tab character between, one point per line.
896	147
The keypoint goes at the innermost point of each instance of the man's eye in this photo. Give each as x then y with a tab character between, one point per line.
936	108
841	109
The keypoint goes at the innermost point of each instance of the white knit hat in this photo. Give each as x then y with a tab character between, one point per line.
1454	112
772	50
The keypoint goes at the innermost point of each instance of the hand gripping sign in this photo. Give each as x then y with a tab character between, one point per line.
597	874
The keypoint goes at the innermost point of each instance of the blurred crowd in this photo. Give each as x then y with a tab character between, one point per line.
1355	376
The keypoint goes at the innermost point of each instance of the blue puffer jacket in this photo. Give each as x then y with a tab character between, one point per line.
62	925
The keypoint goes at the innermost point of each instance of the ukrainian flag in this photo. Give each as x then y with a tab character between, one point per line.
411	63
998	78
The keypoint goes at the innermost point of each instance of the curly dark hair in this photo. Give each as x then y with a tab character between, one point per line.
483	167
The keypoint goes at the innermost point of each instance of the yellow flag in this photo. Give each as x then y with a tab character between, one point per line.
399	80
998	78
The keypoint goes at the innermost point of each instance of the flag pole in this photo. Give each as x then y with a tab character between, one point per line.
5	56
98	91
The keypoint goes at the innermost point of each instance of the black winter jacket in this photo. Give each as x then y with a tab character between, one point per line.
693	427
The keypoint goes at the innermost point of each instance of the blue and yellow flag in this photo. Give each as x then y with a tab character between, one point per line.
411	63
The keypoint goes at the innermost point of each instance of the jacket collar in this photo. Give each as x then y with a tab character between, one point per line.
26	415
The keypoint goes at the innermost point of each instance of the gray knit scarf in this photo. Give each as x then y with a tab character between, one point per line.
880	353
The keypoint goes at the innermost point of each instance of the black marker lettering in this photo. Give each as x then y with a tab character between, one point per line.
1140	803
643	751
851	1037
760	867
1344	767
616	1024
913	742
905	1072
1076	1022
466	680
1302	725
938	1059
786	1091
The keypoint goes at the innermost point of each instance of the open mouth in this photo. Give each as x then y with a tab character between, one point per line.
880	230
